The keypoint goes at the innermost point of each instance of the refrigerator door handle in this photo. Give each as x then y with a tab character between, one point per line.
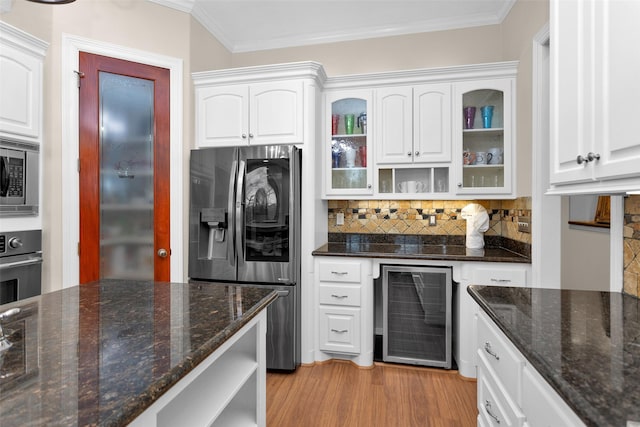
231	248
239	213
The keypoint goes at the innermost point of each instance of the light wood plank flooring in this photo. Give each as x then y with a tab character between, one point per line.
341	394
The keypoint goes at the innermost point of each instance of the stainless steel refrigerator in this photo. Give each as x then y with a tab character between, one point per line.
244	227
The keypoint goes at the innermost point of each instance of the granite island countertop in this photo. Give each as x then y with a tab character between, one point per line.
423	247
586	344
101	353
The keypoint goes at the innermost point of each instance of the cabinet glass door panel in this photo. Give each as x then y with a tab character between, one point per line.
349	155
483	139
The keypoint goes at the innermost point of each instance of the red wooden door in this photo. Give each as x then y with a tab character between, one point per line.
92	238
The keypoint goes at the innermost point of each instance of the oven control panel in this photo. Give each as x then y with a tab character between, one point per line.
20	242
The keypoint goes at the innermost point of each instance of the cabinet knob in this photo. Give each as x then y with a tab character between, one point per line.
409	154
460	185
244	136
593	156
250	135
590	157
417	153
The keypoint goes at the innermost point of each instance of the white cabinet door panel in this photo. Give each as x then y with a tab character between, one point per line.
619	89
432	123
222	116
394	126
276	113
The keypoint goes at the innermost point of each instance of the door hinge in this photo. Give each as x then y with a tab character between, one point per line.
79	75
78	248
78	164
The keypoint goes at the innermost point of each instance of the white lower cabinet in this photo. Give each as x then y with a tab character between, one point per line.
480	273
340	329
540	403
228	388
510	391
344	290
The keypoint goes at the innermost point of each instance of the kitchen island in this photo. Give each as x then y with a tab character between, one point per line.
584	344
104	353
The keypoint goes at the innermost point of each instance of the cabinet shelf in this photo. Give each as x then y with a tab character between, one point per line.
483	166
355	168
350	135
490	131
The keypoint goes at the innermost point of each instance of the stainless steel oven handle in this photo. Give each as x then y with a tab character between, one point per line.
20	263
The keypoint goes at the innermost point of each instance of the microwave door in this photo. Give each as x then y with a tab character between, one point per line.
264	234
213	175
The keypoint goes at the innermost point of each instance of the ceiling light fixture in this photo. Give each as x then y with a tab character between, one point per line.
53	1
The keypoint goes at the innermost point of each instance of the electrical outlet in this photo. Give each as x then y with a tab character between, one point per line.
340	218
524	224
432	220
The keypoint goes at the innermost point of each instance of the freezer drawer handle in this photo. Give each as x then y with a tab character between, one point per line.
487	407
340	273
339	296
501	280
282	293
488	349
339	331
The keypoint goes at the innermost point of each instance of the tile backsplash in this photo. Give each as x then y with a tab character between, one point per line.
632	245
412	217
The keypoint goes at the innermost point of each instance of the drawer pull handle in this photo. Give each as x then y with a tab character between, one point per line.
339	296
339	331
340	273
488	349
487	407
501	280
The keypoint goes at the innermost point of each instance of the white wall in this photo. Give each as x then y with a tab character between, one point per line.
585	253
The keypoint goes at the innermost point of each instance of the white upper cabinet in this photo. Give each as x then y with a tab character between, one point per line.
413	124
594	93
21	65
256	114
485	148
261	105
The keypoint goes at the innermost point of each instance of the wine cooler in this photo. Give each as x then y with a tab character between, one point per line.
417	315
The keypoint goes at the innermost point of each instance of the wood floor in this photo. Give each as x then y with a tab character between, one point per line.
342	395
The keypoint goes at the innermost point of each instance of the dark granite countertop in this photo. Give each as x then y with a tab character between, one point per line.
401	246
586	344
101	353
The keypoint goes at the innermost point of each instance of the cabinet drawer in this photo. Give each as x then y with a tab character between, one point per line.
340	295
500	355
499	277
495	406
339	272
340	330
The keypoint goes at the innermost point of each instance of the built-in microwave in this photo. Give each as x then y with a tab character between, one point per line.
19	163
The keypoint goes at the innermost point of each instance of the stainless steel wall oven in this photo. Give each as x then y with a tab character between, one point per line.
20	265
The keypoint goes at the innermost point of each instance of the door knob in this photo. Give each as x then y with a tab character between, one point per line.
162	253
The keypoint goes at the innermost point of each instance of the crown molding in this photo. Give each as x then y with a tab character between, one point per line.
14	36
198	12
293	70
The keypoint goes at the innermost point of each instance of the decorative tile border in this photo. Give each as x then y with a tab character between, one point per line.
412	217
631	244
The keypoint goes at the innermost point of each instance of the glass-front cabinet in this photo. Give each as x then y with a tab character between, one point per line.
483	127
348	157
